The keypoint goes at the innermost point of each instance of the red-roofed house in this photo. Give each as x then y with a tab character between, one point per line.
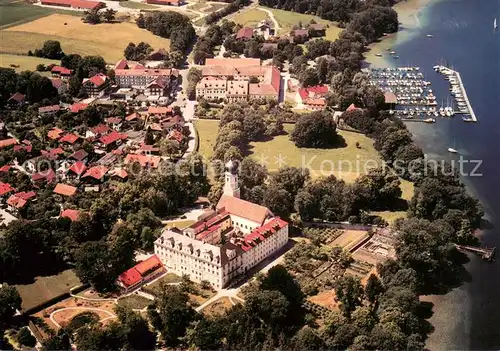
97	85
114	122
60	71
119	173
5	169
166	2
65	189
159	55
77	107
109	141
122	64
48	110
71	214
17	201
146	161
77	168
245	33
96	172
133	117
26	148
159	111
5	188
79	155
352	107
141	273
60	85
313	98
175	135
55	133
76	4
148	150
97	131
16	99
69	138
48	175
7	142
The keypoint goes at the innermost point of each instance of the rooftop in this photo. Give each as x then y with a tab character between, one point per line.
65	189
244	209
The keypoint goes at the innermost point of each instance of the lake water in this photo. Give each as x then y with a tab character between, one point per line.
463	36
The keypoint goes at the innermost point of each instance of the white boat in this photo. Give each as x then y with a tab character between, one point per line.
429	120
452	150
495	24
392	52
429	35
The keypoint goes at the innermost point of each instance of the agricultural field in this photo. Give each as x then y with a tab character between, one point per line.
106	39
45	288
323	235
250	17
136	5
349	239
14	12
24	63
207	133
346	163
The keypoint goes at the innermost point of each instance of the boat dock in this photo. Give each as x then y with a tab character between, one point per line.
485	252
458	89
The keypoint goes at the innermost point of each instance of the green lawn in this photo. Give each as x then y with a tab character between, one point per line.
138	5
14	12
346	162
168	278
25	63
287	19
46	288
250	17
135	302
207	132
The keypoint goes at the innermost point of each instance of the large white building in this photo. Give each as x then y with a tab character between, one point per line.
226	243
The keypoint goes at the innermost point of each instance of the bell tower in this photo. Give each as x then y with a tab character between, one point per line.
231	187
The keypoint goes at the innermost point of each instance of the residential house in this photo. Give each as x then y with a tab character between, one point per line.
71	214
5	189
265	28
62	72
7	142
16	99
97	85
48	176
316	30
65	189
48	110
313	98
76	170
147	150
139	77
111	140
146	161
245	33
141	273
96	173
19	200
69	138
300	35
77	107
79	155
97	131
159	111
159	87
114	122
55	133
118	174
60	85
176	136
75	4
159	55
167	2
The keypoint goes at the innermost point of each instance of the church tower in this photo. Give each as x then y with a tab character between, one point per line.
231	187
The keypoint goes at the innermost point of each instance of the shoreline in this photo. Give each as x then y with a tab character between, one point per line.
409	23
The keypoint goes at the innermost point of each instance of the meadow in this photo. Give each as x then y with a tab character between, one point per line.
136	5
14	12
107	39
46	288
25	63
348	162
207	133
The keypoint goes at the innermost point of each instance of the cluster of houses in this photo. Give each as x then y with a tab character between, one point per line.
266	30
112	150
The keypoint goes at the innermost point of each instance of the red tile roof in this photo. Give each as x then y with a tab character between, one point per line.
175	135
143	160
132	116
65	189
7	142
259	234
69	138
77	107
159	110
71	214
140	271
57	82
96	172
26	195
112	137
79	155
5	188
97	80
55	133
119	172
244	209
352	107
122	64
83	4
59	69
48	175
52	108
78	168
5	168
100	129
245	33
18	97
28	148
16	202
113	120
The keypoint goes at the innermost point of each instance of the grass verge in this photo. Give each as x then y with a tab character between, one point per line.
207	133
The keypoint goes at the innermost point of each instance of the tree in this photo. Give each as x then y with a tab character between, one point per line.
307	339
315	129
169	147
10	301
94	265
52	50
25	338
373	288
92	16
171	314
348	291
98	338
109	15
278	278
253	126
205	334
135	329
59	341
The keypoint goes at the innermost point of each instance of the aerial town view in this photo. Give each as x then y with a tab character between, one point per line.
249	175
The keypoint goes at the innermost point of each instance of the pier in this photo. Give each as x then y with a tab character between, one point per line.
485	252
458	88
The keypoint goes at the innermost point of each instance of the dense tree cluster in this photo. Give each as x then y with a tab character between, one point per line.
214	36
137	52
172	25
51	49
98	15
229	9
34	86
316	130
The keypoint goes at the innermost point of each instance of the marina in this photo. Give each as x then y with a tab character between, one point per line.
415	100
